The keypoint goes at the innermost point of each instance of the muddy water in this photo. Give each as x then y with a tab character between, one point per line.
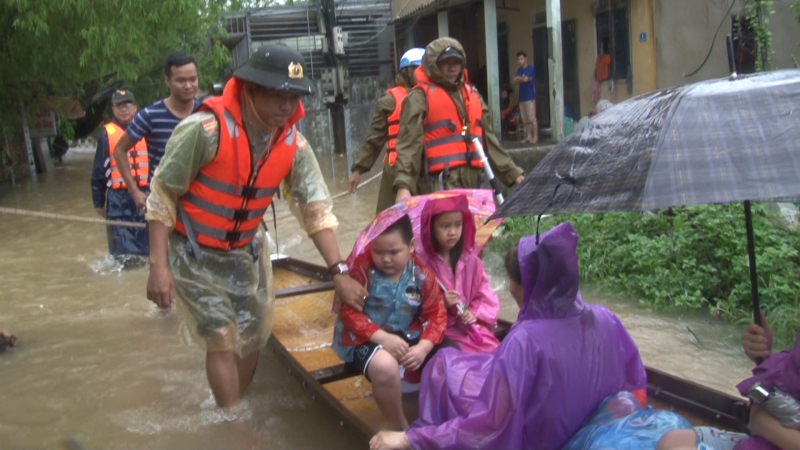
99	363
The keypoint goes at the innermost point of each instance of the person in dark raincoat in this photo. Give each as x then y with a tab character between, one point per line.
109	193
383	130
440	116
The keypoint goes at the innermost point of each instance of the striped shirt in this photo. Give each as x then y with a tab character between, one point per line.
154	123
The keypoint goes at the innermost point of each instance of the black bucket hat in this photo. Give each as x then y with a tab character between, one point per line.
277	67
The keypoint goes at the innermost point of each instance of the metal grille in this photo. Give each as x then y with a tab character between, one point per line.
369	36
366	24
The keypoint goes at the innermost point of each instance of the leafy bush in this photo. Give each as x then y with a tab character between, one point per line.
686	258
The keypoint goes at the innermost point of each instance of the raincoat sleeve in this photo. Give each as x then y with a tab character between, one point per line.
484	304
498	417
99	179
190	148
306	192
376	137
409	141
505	169
432	312
357	322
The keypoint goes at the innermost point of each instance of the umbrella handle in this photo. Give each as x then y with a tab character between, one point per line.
751	253
472	330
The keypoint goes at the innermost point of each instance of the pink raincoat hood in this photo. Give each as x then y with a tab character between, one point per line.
434	208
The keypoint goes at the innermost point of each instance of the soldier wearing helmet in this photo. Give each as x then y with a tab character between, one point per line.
384	128
222	166
440	118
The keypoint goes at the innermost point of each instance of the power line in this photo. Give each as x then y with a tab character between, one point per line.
713	40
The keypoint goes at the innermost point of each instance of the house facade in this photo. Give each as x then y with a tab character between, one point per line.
650	44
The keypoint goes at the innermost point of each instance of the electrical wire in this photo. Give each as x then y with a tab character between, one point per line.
391	22
713	40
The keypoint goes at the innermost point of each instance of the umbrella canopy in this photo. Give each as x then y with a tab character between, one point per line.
481	205
718	141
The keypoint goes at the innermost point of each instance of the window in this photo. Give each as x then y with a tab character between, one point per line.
613	38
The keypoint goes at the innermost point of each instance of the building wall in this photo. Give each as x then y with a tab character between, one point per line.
685	29
678	35
642	53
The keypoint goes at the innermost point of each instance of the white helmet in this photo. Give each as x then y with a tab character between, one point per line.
412	57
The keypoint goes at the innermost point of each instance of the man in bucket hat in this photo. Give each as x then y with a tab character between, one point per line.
222	166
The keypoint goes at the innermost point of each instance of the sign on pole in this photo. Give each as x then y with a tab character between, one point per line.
44	121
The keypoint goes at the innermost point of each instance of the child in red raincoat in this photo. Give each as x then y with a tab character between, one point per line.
402	322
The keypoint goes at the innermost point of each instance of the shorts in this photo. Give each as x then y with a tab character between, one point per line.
527	110
714	439
363	355
226	295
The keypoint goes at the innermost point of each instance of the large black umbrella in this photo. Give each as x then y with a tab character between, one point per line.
720	141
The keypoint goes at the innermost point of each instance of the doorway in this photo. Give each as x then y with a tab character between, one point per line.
541	53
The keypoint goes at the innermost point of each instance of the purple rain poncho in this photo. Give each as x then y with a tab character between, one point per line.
559	361
782	371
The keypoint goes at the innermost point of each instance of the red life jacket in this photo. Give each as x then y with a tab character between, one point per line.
137	158
399	93
227	199
447	141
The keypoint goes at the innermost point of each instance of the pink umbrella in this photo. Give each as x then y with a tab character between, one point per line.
481	205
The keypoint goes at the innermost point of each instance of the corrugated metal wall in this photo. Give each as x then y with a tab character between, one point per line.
368	43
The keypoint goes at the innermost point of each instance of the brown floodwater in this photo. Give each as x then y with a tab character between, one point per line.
98	363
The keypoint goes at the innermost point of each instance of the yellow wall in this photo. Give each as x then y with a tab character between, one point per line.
643	54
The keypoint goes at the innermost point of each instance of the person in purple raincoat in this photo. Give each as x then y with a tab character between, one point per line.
447	246
559	361
780	371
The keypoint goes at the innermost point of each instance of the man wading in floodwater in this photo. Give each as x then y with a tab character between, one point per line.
222	166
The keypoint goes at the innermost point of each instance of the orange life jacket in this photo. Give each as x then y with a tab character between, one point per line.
399	93
137	158
227	199
447	141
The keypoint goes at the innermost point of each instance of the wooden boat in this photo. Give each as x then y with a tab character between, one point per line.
302	331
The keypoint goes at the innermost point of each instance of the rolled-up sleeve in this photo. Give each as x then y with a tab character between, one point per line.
193	145
306	192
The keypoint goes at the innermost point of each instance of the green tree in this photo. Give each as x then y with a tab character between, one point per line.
69	46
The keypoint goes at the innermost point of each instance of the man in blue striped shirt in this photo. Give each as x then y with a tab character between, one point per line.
156	122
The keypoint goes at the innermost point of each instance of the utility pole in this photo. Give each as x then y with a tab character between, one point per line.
442	21
492	62
556	70
335	83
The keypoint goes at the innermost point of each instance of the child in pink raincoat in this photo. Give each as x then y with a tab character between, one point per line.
447	247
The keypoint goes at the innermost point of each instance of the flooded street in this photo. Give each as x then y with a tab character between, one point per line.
99	363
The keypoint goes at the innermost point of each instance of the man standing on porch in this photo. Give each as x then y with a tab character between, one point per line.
527	98
439	119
